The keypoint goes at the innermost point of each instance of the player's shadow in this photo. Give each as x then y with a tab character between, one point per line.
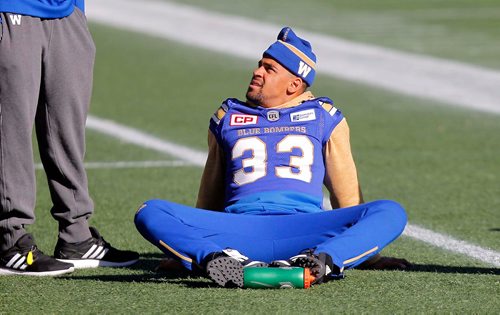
160	278
454	269
147	265
145	271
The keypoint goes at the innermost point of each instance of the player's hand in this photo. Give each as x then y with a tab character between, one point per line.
170	265
389	263
386	263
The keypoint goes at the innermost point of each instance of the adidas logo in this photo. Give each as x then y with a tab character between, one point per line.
19	261
95	252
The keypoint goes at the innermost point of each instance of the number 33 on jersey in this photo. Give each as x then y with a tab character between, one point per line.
270	149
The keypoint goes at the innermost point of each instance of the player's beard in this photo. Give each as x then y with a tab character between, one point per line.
255	97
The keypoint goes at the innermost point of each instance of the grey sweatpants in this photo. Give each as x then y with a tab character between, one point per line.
46	70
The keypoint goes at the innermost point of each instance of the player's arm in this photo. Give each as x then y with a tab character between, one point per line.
341	181
341	178
211	192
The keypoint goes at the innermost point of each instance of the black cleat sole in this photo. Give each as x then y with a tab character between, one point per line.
226	272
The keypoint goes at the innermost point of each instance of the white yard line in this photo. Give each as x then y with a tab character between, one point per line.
452	244
130	135
446	81
194	157
129	164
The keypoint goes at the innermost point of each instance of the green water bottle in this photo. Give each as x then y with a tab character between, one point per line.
273	277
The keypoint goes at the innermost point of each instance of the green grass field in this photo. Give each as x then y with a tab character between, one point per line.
442	163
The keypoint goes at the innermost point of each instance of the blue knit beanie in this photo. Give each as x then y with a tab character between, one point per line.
295	54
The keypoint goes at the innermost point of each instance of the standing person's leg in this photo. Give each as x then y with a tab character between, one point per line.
20	72
60	125
60	122
21	42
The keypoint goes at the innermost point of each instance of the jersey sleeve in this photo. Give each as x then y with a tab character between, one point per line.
216	121
332	117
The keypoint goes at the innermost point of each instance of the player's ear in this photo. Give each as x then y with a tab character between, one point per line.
295	85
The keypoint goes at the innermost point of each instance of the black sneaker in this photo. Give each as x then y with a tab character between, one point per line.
321	265
94	252
226	268
24	258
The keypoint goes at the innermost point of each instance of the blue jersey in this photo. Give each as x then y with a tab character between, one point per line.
49	9
274	157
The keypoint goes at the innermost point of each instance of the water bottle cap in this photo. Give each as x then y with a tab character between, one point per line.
308	278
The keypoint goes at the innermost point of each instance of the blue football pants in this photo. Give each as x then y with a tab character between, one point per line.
349	235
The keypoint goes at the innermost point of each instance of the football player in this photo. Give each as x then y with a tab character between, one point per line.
260	198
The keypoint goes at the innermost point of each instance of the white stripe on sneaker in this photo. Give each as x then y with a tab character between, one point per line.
89	252
97	252
103	253
19	262
13	260
23	267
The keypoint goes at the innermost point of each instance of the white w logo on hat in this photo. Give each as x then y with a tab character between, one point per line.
304	69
